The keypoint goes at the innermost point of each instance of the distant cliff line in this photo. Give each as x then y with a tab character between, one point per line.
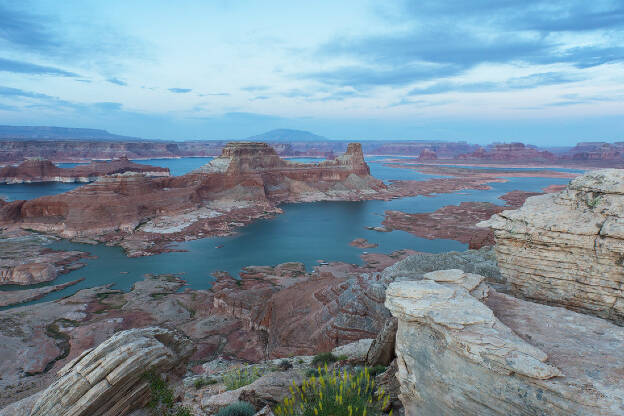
599	154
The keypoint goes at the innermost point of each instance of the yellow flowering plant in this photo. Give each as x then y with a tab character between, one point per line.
335	393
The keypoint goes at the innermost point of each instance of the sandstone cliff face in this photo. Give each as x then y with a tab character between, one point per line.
567	248
464	349
42	170
108	380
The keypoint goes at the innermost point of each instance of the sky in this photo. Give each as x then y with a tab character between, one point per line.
545	72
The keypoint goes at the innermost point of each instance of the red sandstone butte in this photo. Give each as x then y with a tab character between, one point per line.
246	182
41	170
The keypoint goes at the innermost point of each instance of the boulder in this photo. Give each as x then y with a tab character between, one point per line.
356	350
269	389
109	379
463	349
567	248
381	351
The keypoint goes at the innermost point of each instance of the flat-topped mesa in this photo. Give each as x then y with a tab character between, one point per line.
243	158
568	248
42	170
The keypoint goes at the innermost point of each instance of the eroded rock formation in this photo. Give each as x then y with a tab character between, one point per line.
42	170
109	380
246	182
567	248
465	349
25	259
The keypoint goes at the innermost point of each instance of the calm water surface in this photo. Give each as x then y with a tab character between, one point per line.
305	232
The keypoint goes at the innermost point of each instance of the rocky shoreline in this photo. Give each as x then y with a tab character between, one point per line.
455	222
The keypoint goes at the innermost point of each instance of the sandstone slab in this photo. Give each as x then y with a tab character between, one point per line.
458	355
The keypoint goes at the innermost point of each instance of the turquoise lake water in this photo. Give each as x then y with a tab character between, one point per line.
306	232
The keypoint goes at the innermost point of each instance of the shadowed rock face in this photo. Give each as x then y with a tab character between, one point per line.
567	248
464	349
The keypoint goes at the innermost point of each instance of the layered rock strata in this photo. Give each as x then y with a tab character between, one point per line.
567	248
109	380
464	349
246	182
42	170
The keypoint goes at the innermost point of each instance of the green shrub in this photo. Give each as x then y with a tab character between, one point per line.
161	403
378	369
336	393
201	382
161	393
324	358
285	365
239	378
237	409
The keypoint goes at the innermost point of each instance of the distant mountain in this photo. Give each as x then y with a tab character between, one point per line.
59	133
288	135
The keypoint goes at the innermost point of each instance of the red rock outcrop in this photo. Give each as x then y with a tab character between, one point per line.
427	154
42	170
246	182
455	222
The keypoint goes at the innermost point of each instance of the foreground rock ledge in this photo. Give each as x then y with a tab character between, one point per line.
464	349
108	380
568	248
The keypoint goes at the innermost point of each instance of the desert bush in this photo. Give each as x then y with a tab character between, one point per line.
285	365
201	382
376	370
324	358
336	393
161	403
239	378
237	409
